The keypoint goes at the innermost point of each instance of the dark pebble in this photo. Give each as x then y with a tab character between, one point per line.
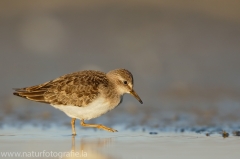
207	134
236	133
225	134
153	133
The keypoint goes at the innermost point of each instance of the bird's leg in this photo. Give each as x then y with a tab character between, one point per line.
99	126
73	126
73	143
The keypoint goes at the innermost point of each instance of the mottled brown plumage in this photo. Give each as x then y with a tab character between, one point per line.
78	89
83	95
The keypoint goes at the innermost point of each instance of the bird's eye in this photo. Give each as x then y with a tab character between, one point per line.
125	82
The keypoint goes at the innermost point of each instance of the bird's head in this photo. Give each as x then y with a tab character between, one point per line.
123	80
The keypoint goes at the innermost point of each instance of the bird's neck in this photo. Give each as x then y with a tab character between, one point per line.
113	93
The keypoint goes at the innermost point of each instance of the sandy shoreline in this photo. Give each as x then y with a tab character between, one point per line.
124	144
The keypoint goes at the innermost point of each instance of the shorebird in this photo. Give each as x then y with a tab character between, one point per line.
83	95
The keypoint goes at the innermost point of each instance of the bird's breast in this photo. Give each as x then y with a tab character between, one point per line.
94	109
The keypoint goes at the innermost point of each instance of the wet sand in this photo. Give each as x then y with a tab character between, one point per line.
56	142
34	130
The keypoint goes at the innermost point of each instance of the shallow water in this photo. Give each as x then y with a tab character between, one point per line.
31	130
56	142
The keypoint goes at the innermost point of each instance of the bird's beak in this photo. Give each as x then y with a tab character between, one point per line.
133	93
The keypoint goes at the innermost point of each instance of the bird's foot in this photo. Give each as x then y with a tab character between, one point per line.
100	126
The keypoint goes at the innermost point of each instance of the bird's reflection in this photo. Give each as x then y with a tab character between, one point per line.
89	148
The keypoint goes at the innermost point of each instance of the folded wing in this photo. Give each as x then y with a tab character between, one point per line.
76	89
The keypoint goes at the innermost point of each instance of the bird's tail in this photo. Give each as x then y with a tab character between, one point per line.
31	94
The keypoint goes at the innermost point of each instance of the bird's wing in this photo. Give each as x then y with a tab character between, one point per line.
76	89
35	93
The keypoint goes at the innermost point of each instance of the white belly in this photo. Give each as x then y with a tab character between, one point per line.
95	109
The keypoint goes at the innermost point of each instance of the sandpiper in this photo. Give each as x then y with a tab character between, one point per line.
83	95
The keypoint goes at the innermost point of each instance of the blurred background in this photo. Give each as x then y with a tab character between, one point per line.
184	56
